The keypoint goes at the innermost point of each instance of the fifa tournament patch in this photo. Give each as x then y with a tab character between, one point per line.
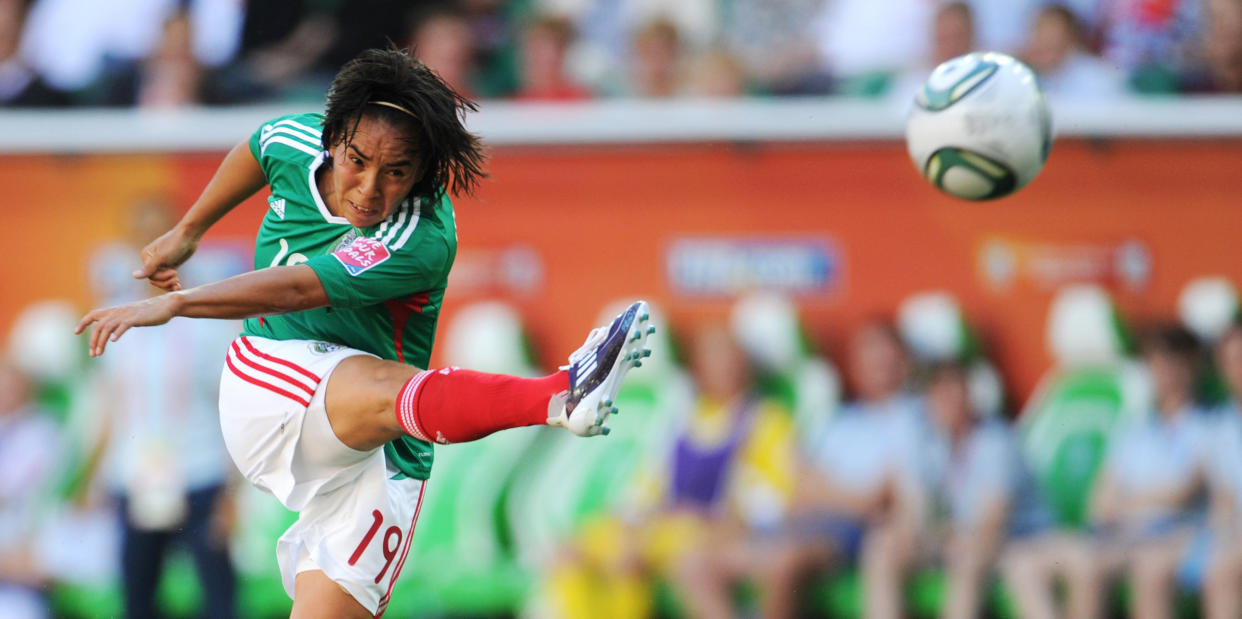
361	255
278	205
323	348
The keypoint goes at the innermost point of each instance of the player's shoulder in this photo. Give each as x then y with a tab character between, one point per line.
296	138
419	226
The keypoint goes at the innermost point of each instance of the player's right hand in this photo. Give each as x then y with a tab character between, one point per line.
112	322
162	256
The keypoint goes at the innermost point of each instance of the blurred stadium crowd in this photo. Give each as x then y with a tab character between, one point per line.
748	470
212	52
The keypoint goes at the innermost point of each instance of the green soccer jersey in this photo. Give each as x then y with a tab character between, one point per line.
385	284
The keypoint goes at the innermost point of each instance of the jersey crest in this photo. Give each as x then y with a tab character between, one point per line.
362	255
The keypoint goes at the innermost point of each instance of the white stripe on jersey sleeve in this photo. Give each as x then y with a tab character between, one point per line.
418	209
403	214
313	152
383	229
270	132
314	134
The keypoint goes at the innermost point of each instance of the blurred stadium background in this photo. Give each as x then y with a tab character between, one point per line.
739	163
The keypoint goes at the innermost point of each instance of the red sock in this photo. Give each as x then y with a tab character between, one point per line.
455	406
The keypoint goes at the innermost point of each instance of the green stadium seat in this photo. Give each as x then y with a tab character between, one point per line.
1067	421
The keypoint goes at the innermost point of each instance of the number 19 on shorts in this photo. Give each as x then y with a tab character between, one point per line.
390	545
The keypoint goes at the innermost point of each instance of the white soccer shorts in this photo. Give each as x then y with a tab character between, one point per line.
356	513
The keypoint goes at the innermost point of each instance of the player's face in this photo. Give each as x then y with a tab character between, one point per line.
371	174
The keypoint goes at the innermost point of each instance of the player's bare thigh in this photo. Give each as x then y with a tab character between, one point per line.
361	395
316	596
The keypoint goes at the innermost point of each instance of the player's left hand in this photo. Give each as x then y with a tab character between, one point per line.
112	322
162	257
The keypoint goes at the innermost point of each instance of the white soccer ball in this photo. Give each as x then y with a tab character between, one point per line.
980	127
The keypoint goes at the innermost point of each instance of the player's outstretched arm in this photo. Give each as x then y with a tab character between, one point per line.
277	290
238	177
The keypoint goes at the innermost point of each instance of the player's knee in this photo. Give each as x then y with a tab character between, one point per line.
360	400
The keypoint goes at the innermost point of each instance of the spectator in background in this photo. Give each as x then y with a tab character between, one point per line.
774	45
1004	26
282	44
657	59
164	457
496	28
697	532
544	74
1152	40
717	74
856	493
1055	51
979	492
1222	587
92	50
19	84
1222	51
1147	499
602	54
170	76
727	467
441	39
864	43
30	449
953	34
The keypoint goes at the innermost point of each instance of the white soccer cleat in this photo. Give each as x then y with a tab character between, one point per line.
598	367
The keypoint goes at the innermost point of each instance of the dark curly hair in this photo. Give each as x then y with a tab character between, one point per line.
451	158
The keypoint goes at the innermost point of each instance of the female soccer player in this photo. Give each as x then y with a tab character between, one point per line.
322	402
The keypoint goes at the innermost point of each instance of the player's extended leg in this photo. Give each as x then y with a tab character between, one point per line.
320	456
371	401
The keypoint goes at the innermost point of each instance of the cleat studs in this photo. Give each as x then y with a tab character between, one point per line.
650	329
646	353
605	430
615	410
607	403
643	318
638	364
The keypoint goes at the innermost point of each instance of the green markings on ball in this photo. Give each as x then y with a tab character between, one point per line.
936	99
969	175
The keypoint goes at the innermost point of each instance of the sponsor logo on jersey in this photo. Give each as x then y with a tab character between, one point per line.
278	205
323	348
361	255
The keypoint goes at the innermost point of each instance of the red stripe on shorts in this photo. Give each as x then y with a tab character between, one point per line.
383	605
269	387
269	371
285	362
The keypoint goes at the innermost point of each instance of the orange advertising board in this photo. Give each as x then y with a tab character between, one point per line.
848	228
